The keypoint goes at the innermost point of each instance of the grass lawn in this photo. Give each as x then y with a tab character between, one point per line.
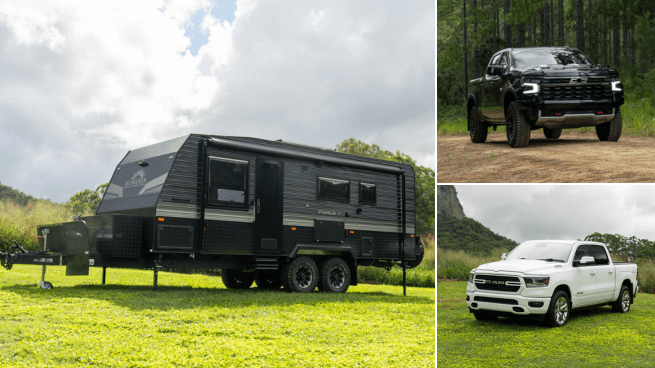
594	338
193	321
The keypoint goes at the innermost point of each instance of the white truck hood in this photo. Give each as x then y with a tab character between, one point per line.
532	267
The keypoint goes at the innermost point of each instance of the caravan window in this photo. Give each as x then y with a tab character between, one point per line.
333	189
228	182
366	193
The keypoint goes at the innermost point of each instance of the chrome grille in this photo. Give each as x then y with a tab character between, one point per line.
593	92
497	283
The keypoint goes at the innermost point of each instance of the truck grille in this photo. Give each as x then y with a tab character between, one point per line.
497	283
495	300
593	92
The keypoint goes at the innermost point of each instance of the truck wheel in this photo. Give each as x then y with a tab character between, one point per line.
559	311
300	276
420	252
622	303
517	128
477	129
334	276
480	316
552	133
237	279
268	280
611	131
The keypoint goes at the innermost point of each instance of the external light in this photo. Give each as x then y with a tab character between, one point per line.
533	282
617	86
471	276
534	88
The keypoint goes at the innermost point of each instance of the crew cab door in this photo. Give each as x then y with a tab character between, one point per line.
583	282
605	274
491	97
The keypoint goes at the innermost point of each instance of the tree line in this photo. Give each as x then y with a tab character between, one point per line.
619	33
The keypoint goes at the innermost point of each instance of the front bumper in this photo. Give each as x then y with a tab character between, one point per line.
498	303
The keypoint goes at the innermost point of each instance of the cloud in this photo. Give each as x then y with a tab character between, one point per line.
83	82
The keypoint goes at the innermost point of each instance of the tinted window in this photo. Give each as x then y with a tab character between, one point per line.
580	252
228	182
495	59
367	193
504	61
334	189
542	250
270	183
599	254
533	58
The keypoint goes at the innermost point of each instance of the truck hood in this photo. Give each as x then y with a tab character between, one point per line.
525	266
573	70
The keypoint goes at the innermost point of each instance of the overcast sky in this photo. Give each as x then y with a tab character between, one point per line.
527	212
81	83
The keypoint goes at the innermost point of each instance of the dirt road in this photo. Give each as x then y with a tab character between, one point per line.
573	158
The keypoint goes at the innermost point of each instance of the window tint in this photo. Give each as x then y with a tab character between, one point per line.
599	254
495	59
504	61
580	252
228	182
334	189
533	58
270	183
366	193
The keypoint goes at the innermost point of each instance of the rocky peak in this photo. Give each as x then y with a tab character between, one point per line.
447	202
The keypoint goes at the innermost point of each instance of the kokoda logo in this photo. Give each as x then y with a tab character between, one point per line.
139	179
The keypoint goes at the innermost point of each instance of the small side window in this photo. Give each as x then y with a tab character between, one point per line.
495	59
504	61
333	189
580	252
228	182
367	193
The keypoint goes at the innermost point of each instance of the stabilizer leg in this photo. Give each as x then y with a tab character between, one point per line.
404	279
104	274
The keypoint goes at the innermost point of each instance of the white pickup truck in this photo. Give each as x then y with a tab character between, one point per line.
546	279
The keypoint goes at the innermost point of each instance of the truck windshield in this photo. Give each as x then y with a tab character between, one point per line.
547	251
533	58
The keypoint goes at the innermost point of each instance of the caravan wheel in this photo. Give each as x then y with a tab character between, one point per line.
300	276
335	276
268	280
237	279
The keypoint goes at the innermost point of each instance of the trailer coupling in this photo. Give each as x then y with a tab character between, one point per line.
13	252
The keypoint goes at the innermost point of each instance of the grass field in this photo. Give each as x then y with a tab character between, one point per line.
594	338
193	321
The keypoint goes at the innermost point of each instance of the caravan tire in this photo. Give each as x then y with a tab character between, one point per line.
300	276
268	280
237	279
420	253
334	275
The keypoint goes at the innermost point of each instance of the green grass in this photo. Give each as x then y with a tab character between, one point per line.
598	338
193	321
638	120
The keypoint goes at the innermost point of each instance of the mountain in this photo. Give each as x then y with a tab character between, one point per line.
455	231
448	203
10	194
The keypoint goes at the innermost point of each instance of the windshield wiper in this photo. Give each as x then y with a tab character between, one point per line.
550	260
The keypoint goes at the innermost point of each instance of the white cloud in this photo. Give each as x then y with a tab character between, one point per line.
83	82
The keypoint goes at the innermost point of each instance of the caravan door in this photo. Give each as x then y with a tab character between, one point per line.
269	184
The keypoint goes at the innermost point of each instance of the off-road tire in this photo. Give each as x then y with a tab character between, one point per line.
334	275
481	316
559	310
517	128
420	252
237	279
268	280
552	133
477	129
611	131
300	276
622	303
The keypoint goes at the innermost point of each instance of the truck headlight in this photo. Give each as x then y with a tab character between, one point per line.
471	276
533	282
530	88
617	86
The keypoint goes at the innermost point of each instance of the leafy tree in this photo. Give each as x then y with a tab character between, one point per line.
624	247
87	200
424	179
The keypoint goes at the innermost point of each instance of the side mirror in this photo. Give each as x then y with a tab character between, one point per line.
495	70
503	256
587	260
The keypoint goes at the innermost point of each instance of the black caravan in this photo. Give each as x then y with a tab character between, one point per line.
278	213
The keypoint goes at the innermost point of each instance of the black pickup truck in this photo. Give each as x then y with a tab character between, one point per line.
544	87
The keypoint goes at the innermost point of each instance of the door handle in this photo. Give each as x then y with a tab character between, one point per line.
610	271
592	272
258	206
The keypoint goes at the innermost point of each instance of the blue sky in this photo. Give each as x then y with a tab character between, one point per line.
85	82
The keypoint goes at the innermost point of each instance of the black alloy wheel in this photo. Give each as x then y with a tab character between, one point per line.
334	276
300	276
237	279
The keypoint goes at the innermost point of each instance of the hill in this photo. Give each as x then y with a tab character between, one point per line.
10	194
469	236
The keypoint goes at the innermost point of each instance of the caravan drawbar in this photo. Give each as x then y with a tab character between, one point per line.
276	213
